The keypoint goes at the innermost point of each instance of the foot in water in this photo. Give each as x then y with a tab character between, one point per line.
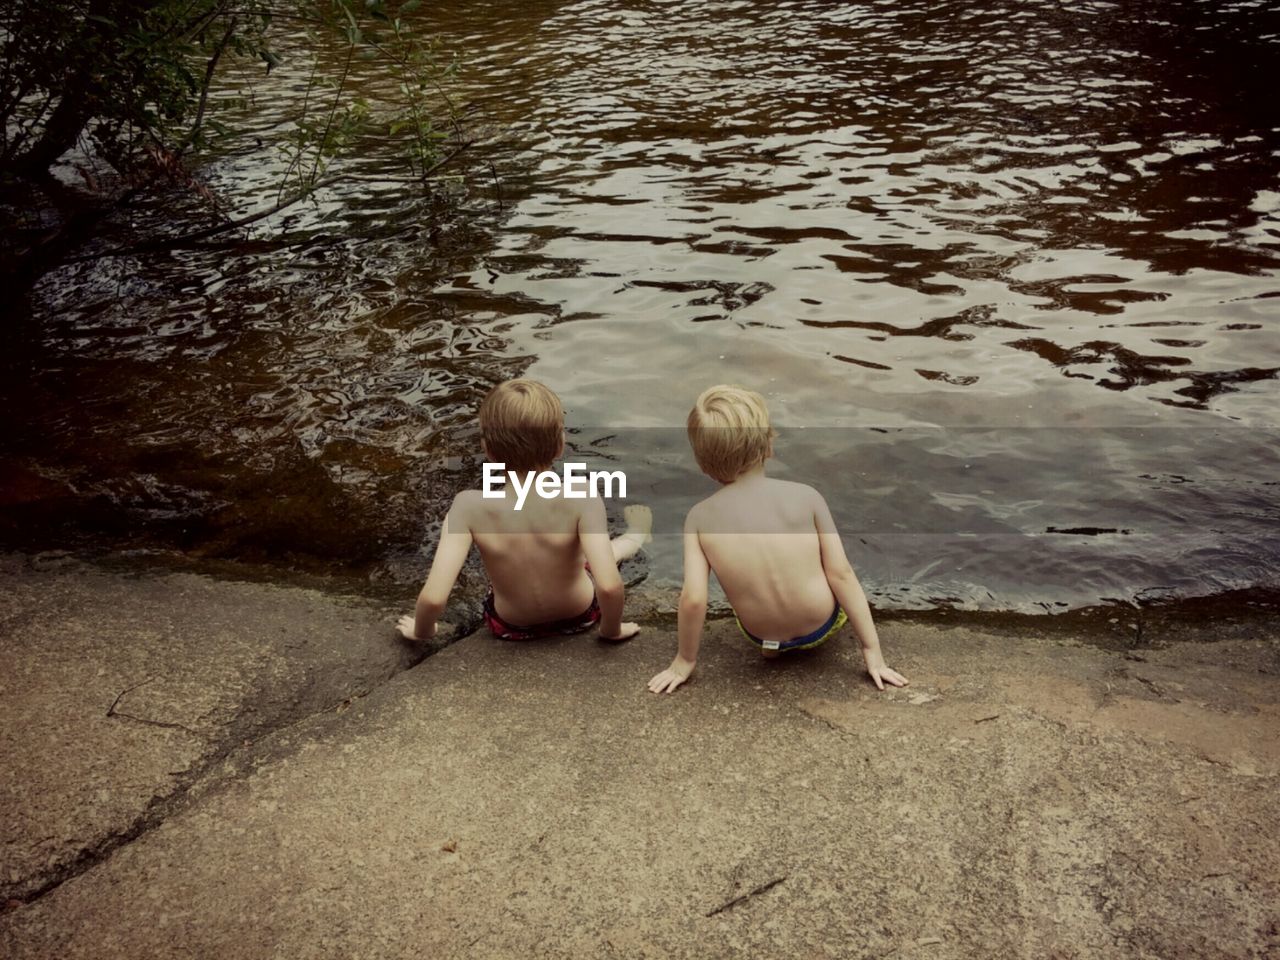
639	532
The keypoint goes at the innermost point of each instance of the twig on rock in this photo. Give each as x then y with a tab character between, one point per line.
754	892
113	712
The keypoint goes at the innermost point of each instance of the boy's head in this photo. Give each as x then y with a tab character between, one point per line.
522	425
729	432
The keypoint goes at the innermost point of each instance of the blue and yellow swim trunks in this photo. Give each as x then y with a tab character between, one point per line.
808	641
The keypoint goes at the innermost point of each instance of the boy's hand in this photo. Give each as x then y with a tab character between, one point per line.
625	632
882	674
671	677
406	625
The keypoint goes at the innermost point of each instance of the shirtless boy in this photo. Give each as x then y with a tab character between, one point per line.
552	568
772	545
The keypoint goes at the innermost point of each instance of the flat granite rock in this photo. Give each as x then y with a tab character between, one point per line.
117	691
1024	797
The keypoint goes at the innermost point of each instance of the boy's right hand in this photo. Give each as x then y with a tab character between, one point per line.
625	632
406	627
672	677
880	673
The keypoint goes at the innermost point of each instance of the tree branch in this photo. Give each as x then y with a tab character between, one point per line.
190	239
204	88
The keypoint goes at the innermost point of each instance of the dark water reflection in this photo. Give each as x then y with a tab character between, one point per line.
1036	245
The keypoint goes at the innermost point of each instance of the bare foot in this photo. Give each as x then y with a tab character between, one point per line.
639	532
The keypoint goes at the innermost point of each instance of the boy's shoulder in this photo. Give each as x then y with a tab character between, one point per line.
466	503
792	488
703	511
473	503
791	499
468	498
773	492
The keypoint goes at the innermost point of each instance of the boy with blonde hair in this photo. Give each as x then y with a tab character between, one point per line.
537	552
772	545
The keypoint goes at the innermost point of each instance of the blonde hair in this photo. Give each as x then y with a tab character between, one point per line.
729	431
522	425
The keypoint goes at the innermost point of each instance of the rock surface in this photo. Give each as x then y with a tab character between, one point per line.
117	691
1026	796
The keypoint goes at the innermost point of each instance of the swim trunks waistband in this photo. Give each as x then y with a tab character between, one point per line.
810	640
555	628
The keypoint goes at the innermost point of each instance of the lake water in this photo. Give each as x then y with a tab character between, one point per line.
1007	274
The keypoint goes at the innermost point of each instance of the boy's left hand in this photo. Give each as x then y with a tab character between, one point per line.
882	674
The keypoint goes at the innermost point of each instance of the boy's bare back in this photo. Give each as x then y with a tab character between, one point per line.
773	546
534	556
536	550
760	538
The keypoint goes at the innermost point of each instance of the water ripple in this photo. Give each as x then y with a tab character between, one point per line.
893	214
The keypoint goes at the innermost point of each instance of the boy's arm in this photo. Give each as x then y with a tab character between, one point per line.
593	533
451	554
844	584
693	613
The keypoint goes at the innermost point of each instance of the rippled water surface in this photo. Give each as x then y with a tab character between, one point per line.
1007	274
